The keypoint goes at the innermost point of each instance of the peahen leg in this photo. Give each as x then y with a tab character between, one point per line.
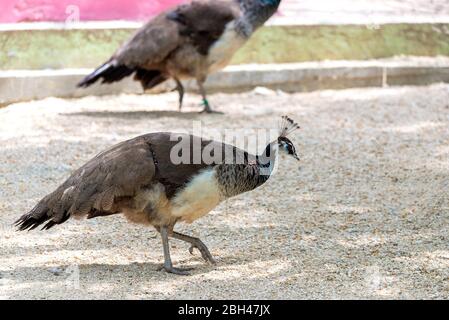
195	243
168	265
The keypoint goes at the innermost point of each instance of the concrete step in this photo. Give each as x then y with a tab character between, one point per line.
24	85
36	46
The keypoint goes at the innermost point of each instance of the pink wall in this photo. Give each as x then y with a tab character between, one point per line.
60	10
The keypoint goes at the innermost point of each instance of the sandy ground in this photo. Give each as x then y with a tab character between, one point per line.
364	215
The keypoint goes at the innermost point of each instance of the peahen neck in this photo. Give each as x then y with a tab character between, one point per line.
257	12
266	162
234	179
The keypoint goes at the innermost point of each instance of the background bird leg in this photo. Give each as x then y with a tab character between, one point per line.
195	243
181	92
168	265
207	108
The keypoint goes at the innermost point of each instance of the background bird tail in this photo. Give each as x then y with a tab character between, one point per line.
108	72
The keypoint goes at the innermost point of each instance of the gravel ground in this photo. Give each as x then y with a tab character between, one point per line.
364	215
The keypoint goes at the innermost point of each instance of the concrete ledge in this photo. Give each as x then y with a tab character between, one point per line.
26	85
86	45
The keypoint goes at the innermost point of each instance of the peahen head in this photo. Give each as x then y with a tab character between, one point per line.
270	2
287	126
282	145
258	11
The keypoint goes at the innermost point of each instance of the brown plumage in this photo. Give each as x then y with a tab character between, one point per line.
142	179
189	41
109	182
